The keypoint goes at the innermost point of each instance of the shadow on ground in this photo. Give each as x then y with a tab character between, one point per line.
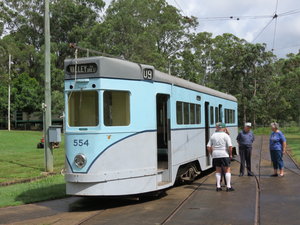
43	193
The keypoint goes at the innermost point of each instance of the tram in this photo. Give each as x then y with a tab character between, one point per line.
131	129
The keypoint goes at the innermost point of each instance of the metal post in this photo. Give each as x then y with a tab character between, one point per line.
48	148
8	108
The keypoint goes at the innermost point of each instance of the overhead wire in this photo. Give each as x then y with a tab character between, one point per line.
179	7
263	29
219	18
275	25
288	13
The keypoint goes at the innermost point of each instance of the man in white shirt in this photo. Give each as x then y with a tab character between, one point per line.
220	147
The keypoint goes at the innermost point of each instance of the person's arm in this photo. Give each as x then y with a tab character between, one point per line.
230	152
238	138
229	144
283	140
209	149
284	147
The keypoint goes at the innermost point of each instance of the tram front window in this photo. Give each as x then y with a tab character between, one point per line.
83	108
116	108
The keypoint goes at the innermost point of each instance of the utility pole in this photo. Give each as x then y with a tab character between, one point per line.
9	79
48	148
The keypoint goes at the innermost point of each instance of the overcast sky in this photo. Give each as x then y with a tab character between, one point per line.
251	23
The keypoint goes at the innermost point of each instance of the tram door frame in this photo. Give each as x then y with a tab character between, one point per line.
207	130
163	123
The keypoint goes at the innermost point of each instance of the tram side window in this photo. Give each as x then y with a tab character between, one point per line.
212	115
198	114
188	113
233	116
179	112
217	116
229	116
192	114
116	108
83	108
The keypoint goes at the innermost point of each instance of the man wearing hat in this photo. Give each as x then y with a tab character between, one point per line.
220	147
245	139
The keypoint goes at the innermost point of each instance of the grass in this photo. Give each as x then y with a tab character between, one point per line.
285	130
293	141
51	187
20	160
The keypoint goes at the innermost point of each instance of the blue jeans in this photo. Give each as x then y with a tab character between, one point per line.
276	157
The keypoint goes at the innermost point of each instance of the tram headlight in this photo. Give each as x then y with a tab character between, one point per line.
80	160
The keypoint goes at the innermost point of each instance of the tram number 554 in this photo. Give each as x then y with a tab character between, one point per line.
148	74
80	142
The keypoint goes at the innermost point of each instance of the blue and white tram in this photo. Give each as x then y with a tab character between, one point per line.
131	129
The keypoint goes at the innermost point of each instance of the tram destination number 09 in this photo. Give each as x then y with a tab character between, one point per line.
148	74
80	142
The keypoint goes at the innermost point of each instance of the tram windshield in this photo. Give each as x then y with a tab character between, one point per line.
116	108
83	108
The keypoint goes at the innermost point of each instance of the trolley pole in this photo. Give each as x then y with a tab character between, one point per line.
48	148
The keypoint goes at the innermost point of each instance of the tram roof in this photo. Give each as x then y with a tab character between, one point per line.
100	66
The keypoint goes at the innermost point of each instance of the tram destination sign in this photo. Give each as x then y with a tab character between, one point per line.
82	68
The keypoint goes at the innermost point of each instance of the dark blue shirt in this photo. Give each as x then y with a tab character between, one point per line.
276	141
245	138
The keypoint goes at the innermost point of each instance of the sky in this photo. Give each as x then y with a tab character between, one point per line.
252	20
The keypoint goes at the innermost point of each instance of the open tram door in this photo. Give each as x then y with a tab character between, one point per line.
207	132
163	138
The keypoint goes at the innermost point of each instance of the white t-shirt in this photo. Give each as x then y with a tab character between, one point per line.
220	142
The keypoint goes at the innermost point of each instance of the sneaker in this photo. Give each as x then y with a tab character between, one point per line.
230	189
281	175
241	174
274	175
250	174
219	189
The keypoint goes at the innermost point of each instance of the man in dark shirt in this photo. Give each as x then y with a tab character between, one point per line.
245	139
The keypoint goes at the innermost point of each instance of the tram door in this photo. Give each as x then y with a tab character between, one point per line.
207	132
163	134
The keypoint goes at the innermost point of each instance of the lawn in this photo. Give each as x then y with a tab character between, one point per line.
21	160
51	187
293	141
21	157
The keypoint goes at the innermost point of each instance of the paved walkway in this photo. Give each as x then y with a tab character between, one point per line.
277	203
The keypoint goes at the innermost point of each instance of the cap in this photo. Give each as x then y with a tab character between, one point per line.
248	125
221	125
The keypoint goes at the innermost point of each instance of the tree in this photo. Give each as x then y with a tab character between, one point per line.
290	86
26	94
141	30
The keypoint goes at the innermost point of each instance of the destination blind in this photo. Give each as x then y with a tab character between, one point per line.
82	68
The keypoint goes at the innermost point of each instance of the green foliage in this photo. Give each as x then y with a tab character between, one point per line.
25	94
141	30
